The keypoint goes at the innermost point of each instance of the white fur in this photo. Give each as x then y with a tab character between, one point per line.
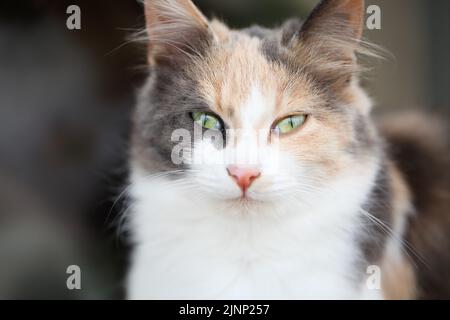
189	247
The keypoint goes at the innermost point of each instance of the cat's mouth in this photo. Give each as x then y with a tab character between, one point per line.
246	200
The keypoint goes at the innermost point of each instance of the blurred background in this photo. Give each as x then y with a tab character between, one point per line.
65	103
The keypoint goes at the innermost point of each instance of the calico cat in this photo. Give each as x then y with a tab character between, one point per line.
332	216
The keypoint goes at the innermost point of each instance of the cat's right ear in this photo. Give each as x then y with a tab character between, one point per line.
176	30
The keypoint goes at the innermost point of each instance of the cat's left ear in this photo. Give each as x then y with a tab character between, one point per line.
340	18
330	38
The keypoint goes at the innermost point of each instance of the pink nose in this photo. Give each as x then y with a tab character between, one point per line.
244	176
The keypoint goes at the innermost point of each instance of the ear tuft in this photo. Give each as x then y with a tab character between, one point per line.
176	30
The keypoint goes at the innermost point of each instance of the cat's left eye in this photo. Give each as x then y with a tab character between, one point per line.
289	124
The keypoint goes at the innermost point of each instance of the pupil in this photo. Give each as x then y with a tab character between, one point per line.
204	119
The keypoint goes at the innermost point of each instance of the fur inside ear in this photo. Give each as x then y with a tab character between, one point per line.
339	18
176	29
330	38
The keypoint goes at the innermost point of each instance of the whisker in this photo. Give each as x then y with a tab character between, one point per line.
405	246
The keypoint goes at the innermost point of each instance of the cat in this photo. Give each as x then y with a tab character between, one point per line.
332	216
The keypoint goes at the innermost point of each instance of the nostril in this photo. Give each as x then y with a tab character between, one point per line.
243	175
254	177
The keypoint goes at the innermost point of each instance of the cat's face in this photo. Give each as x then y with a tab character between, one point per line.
256	114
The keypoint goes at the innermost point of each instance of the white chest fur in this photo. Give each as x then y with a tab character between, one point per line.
192	248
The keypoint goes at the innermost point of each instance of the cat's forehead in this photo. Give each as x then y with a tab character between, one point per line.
238	79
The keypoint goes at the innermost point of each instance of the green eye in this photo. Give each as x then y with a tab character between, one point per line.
289	124
206	120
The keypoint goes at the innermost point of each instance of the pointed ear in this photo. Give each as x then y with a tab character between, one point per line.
340	18
328	41
176	29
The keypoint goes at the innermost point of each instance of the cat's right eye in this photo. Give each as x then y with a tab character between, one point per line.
207	120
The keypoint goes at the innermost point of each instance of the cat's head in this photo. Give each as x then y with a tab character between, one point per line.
258	113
